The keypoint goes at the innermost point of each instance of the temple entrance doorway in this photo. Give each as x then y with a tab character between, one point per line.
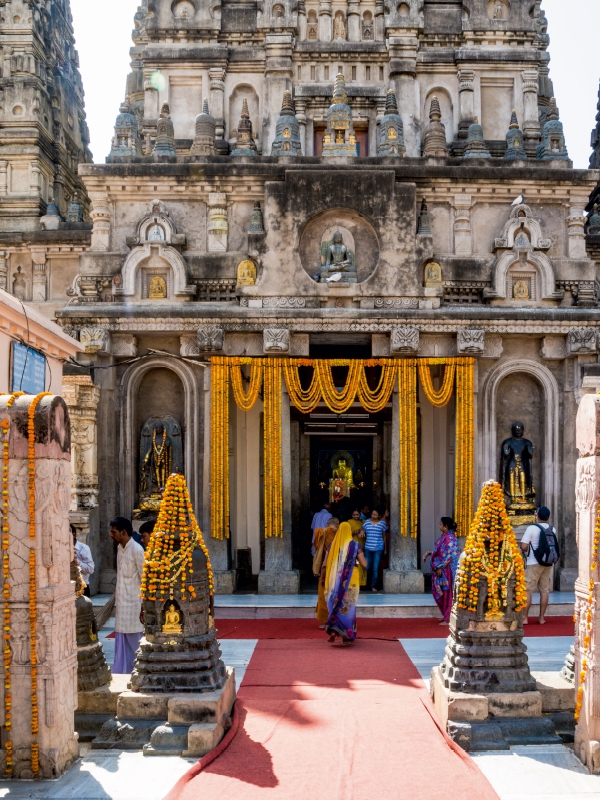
344	460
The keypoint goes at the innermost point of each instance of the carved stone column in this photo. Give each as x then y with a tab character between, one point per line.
325	21
301	117
82	397
379	20
3	271
403	575
353	21
463	240
55	601
301	20
403	71
587	732
466	97
278	79
531	114
217	99
218	226
39	294
3	177
575	228
100	215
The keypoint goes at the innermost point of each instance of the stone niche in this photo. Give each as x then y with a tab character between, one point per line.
520	398
358	236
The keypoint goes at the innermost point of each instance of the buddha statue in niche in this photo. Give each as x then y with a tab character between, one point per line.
521	290
339	266
172	620
161	453
516	474
246	273
157	289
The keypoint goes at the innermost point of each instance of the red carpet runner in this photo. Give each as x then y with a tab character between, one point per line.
393	628
322	722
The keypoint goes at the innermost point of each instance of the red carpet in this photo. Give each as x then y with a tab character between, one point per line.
322	722
403	628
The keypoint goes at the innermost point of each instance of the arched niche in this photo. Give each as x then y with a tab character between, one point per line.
526	391
140	397
243	91
368	30
534	267
359	236
446	107
155	260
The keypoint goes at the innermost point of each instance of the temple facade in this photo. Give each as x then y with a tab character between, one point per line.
337	252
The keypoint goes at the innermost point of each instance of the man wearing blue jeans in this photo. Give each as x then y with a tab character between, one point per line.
374	530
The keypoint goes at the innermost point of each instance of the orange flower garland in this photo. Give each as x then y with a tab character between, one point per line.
589	615
165	567
465	442
273	459
246	400
219	461
497	562
441	398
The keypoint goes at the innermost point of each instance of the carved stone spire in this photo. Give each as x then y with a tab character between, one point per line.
423	224
553	146
244	143
476	146
339	89
595	157
287	131
339	138
434	138
514	140
165	134
204	139
391	129
126	141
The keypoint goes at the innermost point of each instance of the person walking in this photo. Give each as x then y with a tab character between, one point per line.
323	539
444	563
540	546
84	559
358	536
128	609
320	520
374	530
342	585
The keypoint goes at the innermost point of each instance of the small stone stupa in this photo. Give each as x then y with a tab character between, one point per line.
204	138
339	138
92	669
244	142
553	146
391	129
287	130
434	138
126	141
165	134
181	692
483	691
514	140
476	146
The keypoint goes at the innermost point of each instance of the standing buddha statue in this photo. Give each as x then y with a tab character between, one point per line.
517	476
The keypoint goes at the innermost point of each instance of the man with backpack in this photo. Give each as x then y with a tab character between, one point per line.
540	545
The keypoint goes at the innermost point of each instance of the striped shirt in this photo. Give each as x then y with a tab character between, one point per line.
374	531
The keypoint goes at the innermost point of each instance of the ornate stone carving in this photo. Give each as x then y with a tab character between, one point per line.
396	302
553	348
493	347
82	397
210	338
189	346
218	226
276	340
284	302
585	488
471	341
404	339
124	345
463	240
581	341
94	339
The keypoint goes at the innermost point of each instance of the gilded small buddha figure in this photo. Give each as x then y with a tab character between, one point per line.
521	290
172	621
246	273
344	472
157	289
433	274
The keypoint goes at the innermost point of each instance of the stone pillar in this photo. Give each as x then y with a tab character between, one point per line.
403	72
466	99
531	114
56	654
3	271
100	215
82	397
403	575
353	21
587	493
40	292
301	117
325	21
217	99
575	228
218	226
3	177
463	240
278	79
379	20
301	21
278	577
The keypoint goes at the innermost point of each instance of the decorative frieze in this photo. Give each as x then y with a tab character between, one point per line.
189	345
210	338
396	302
276	340
404	339
581	342
124	345
471	341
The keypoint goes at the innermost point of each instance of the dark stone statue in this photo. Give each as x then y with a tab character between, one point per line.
516	474
161	454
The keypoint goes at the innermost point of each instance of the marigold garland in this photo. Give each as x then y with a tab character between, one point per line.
246	400
465	442
441	398
497	562
586	650
164	566
273	461
219	463
409	468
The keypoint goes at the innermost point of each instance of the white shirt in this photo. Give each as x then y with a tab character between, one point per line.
130	561
85	561
532	537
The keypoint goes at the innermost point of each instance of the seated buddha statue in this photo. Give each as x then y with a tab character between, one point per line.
172	620
338	261
344	472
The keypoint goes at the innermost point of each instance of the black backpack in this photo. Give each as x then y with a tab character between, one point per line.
547	552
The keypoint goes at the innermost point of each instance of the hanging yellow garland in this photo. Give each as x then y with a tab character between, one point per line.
442	397
246	400
219	464
376	401
409	477
304	400
35	754
273	462
586	650
492	552
465	441
164	566
338	401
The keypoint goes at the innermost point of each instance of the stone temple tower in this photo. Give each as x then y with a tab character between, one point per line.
43	132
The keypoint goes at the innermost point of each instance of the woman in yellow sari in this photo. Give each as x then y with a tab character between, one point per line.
356	526
342	585
323	539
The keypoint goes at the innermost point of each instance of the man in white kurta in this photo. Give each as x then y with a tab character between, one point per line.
128	606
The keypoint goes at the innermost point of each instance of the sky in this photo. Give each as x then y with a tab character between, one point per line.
103	37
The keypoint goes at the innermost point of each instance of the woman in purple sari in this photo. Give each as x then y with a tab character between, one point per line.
342	585
444	562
